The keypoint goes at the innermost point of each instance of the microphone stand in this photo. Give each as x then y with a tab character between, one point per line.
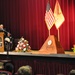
8	49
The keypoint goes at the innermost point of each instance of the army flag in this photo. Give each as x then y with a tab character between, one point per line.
59	17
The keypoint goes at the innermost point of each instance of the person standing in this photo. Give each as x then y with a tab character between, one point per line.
3	30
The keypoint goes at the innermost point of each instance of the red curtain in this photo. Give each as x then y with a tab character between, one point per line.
26	18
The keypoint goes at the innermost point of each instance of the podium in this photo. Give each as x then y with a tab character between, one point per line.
1	41
51	46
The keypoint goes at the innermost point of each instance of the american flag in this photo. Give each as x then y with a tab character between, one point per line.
49	17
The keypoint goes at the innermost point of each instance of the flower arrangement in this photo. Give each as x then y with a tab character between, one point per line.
22	45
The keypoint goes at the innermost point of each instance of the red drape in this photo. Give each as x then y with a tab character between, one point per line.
26	18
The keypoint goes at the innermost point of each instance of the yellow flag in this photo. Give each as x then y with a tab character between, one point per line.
59	17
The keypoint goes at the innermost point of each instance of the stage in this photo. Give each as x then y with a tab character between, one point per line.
47	64
67	54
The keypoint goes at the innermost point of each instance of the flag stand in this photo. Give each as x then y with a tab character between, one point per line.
51	45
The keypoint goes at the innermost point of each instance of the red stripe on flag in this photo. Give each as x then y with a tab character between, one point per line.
49	18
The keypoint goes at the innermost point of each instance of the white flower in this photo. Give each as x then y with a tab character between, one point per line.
24	49
16	48
18	45
27	44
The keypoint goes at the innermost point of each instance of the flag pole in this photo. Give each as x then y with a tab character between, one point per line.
49	32
58	35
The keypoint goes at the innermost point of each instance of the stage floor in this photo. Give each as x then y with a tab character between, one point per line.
67	54
51	63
